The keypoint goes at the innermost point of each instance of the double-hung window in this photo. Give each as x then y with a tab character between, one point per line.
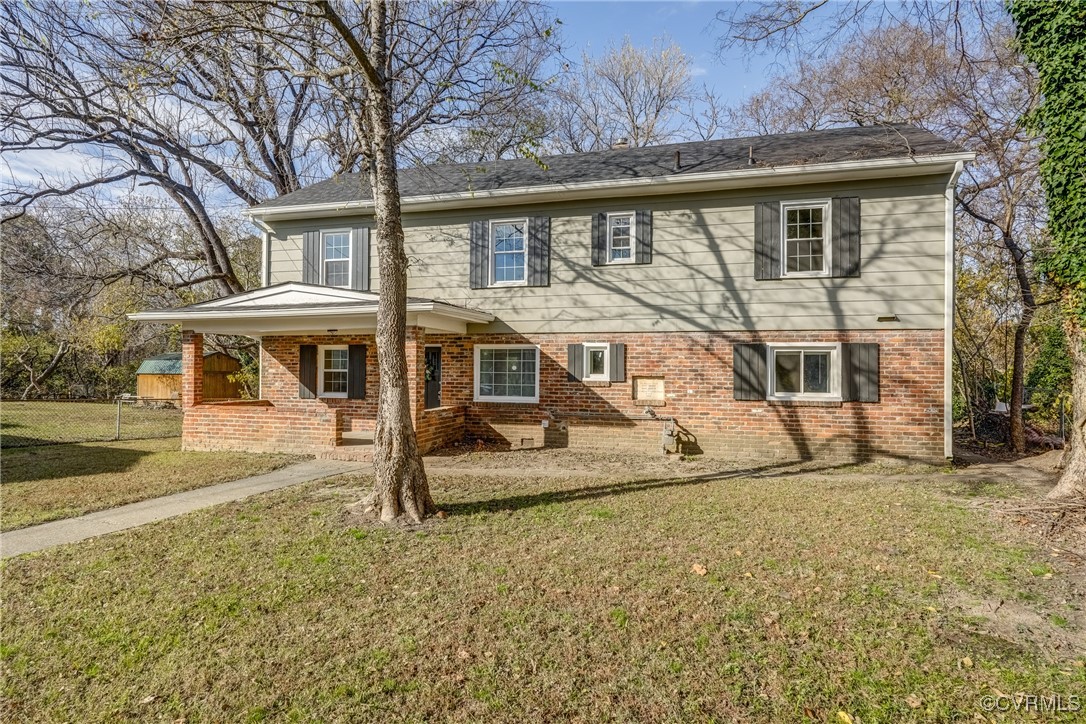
332	374
337	258
508	251
804	372
620	238
506	373
806	238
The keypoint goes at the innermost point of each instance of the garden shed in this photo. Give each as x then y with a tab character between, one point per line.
159	377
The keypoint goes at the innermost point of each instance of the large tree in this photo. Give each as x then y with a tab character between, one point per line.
1053	36
394	70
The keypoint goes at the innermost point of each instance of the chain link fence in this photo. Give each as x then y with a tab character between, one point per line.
24	423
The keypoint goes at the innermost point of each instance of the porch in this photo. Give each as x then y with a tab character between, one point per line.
319	374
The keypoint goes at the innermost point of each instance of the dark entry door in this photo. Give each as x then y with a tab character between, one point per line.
433	377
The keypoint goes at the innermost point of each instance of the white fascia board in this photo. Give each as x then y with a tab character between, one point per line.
676	183
184	316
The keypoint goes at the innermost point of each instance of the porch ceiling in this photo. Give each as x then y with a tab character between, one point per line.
295	308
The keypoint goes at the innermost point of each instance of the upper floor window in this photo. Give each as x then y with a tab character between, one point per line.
508	251
337	258
620	238
806	242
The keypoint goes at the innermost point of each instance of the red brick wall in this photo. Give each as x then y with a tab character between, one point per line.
192	368
907	422
255	427
279	379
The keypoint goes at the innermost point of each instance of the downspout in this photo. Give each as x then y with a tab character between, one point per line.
948	316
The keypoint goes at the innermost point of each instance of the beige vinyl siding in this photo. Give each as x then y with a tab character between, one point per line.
702	272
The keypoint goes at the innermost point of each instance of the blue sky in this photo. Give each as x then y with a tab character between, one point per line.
593	25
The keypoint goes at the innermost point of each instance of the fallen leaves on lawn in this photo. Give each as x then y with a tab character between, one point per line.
699	569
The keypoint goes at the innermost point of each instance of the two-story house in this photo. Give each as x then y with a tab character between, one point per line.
783	296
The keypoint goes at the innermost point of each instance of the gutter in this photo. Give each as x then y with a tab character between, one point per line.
948	315
675	183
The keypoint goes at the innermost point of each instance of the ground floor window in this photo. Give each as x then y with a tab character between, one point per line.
333	371
506	373
808	371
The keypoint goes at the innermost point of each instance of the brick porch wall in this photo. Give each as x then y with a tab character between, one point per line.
259	426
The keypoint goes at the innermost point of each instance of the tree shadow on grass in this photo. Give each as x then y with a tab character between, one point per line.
55	462
592	492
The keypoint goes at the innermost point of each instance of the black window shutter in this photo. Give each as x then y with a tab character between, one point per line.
307	371
575	362
750	377
479	242
311	257
360	259
617	355
845	241
767	240
356	371
599	239
643	224
860	372
539	251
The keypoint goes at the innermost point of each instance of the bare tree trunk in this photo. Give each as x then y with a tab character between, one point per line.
401	489
967	393
1072	483
36	380
1018	367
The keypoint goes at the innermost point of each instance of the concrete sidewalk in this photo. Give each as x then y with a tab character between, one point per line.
47	535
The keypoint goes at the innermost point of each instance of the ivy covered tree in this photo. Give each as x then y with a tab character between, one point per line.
1053	36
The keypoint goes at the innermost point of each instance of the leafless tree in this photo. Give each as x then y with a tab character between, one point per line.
392	70
644	95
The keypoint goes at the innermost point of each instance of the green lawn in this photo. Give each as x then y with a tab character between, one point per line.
551	598
45	421
61	481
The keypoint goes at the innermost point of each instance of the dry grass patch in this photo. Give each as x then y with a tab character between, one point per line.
62	481
580	598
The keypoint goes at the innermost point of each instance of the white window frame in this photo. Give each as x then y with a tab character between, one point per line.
506	398
834	395
827	236
320	371
592	346
349	260
492	245
633	237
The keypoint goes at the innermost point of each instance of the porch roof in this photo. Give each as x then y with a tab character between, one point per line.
295	308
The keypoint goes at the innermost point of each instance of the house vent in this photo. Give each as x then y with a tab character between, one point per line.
621	144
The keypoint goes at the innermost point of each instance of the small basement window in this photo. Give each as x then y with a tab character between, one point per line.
804	372
596	362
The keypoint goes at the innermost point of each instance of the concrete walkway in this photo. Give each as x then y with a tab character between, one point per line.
59	532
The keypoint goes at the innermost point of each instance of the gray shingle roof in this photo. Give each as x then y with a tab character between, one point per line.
828	146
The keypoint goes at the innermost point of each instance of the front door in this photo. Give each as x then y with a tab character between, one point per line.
433	377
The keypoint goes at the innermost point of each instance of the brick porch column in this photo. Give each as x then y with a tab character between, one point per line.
192	368
416	371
